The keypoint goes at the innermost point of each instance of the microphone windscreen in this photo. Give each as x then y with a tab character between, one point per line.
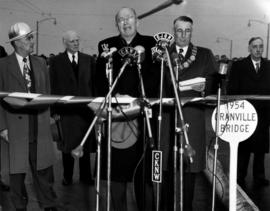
140	50
223	68
113	49
175	58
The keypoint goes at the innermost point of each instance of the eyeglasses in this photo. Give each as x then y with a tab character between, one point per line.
74	41
127	19
186	31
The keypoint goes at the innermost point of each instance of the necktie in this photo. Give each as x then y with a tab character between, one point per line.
73	63
257	67
74	66
180	54
26	74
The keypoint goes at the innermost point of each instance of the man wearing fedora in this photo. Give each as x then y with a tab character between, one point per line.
27	131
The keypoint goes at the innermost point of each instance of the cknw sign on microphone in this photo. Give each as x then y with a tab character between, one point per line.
156	166
163	40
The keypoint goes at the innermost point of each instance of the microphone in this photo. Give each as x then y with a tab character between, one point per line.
109	54
141	53
176	61
223	69
222	73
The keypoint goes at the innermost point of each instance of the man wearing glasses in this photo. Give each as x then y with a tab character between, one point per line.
27	131
126	151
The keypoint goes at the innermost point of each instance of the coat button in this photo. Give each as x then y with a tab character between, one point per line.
20	117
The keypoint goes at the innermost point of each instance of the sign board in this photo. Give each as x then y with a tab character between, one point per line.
237	121
156	166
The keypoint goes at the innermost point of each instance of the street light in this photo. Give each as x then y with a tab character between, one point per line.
267	35
37	28
231	43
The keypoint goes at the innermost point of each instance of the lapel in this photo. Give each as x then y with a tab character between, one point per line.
14	69
251	68
36	70
81	65
189	51
67	66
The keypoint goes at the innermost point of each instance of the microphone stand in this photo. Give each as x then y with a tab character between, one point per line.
183	129
216	146
99	138
181	153
109	70
223	71
159	127
78	151
188	148
146	118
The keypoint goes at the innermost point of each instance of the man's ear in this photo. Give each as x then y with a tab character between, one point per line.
249	50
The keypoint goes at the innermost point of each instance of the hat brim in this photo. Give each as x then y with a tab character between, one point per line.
21	36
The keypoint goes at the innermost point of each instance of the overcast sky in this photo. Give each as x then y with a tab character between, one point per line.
94	20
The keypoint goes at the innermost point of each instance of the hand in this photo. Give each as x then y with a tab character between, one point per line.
56	117
4	135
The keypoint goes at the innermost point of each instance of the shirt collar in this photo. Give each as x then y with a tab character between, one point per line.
20	61
255	62
70	56
185	48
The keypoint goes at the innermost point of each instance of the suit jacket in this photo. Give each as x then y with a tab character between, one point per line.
243	80
17	121
74	119
194	115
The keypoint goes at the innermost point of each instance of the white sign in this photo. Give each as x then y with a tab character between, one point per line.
156	166
237	121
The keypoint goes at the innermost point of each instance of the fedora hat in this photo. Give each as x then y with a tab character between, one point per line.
18	31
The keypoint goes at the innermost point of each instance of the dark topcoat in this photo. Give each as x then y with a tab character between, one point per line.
244	80
74	119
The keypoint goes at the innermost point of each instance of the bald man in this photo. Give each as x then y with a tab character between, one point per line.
126	150
71	74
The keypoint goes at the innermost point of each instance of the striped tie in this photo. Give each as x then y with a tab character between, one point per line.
26	75
180	55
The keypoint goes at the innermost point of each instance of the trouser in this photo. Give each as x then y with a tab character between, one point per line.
119	196
167	191
42	182
258	165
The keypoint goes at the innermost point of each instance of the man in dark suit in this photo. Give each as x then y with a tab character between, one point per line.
127	145
3	186
71	74
251	76
27	131
193	61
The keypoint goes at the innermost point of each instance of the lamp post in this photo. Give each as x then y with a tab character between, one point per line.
267	34
231	44
37	28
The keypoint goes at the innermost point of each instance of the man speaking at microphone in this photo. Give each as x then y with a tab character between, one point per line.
192	62
126	150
